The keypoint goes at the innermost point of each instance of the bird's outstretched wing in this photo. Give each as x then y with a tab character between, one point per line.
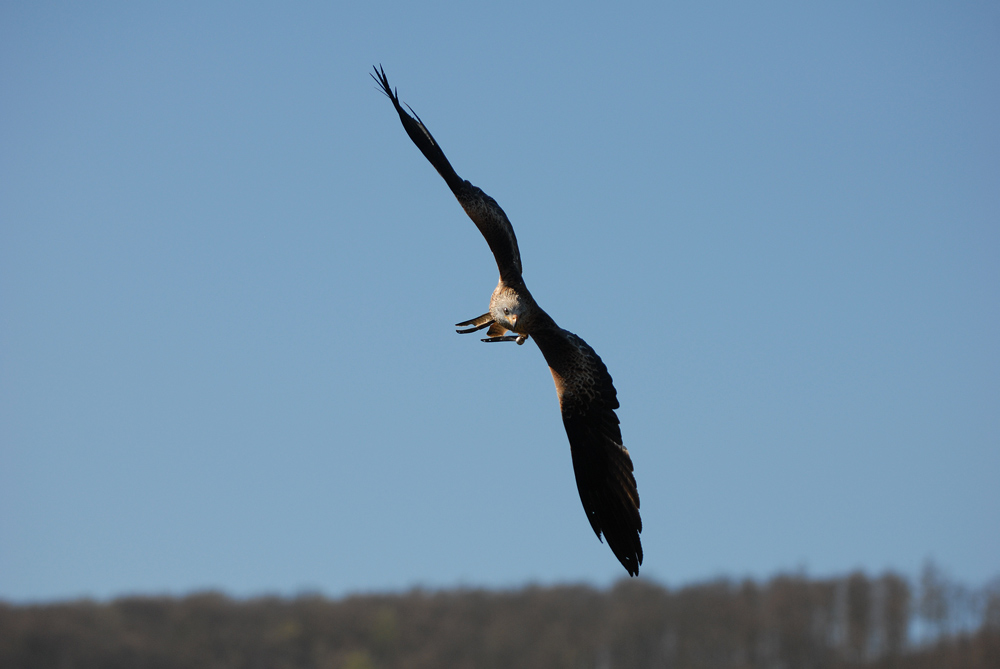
481	208
602	465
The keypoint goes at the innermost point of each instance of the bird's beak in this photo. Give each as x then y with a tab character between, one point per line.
513	320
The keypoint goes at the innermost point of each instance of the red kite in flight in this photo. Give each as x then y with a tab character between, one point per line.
587	396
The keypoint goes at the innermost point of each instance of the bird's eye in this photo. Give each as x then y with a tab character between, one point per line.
506	311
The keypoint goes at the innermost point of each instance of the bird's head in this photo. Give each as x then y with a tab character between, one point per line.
508	309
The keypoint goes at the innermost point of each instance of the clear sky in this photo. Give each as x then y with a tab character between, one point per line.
228	282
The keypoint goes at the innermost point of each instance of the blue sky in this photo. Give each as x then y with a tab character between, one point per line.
228	283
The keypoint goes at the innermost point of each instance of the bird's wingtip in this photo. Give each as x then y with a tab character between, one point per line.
383	82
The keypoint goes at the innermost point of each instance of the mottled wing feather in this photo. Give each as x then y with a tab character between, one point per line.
603	468
495	227
481	208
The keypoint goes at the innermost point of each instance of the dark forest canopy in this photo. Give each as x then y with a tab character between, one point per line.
789	621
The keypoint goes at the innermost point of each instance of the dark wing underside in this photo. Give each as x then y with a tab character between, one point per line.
602	465
481	208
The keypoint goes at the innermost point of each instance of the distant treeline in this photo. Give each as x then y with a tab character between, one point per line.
790	621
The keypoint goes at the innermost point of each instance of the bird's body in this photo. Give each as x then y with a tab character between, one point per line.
587	396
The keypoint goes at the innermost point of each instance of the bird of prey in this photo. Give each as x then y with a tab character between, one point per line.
587	397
